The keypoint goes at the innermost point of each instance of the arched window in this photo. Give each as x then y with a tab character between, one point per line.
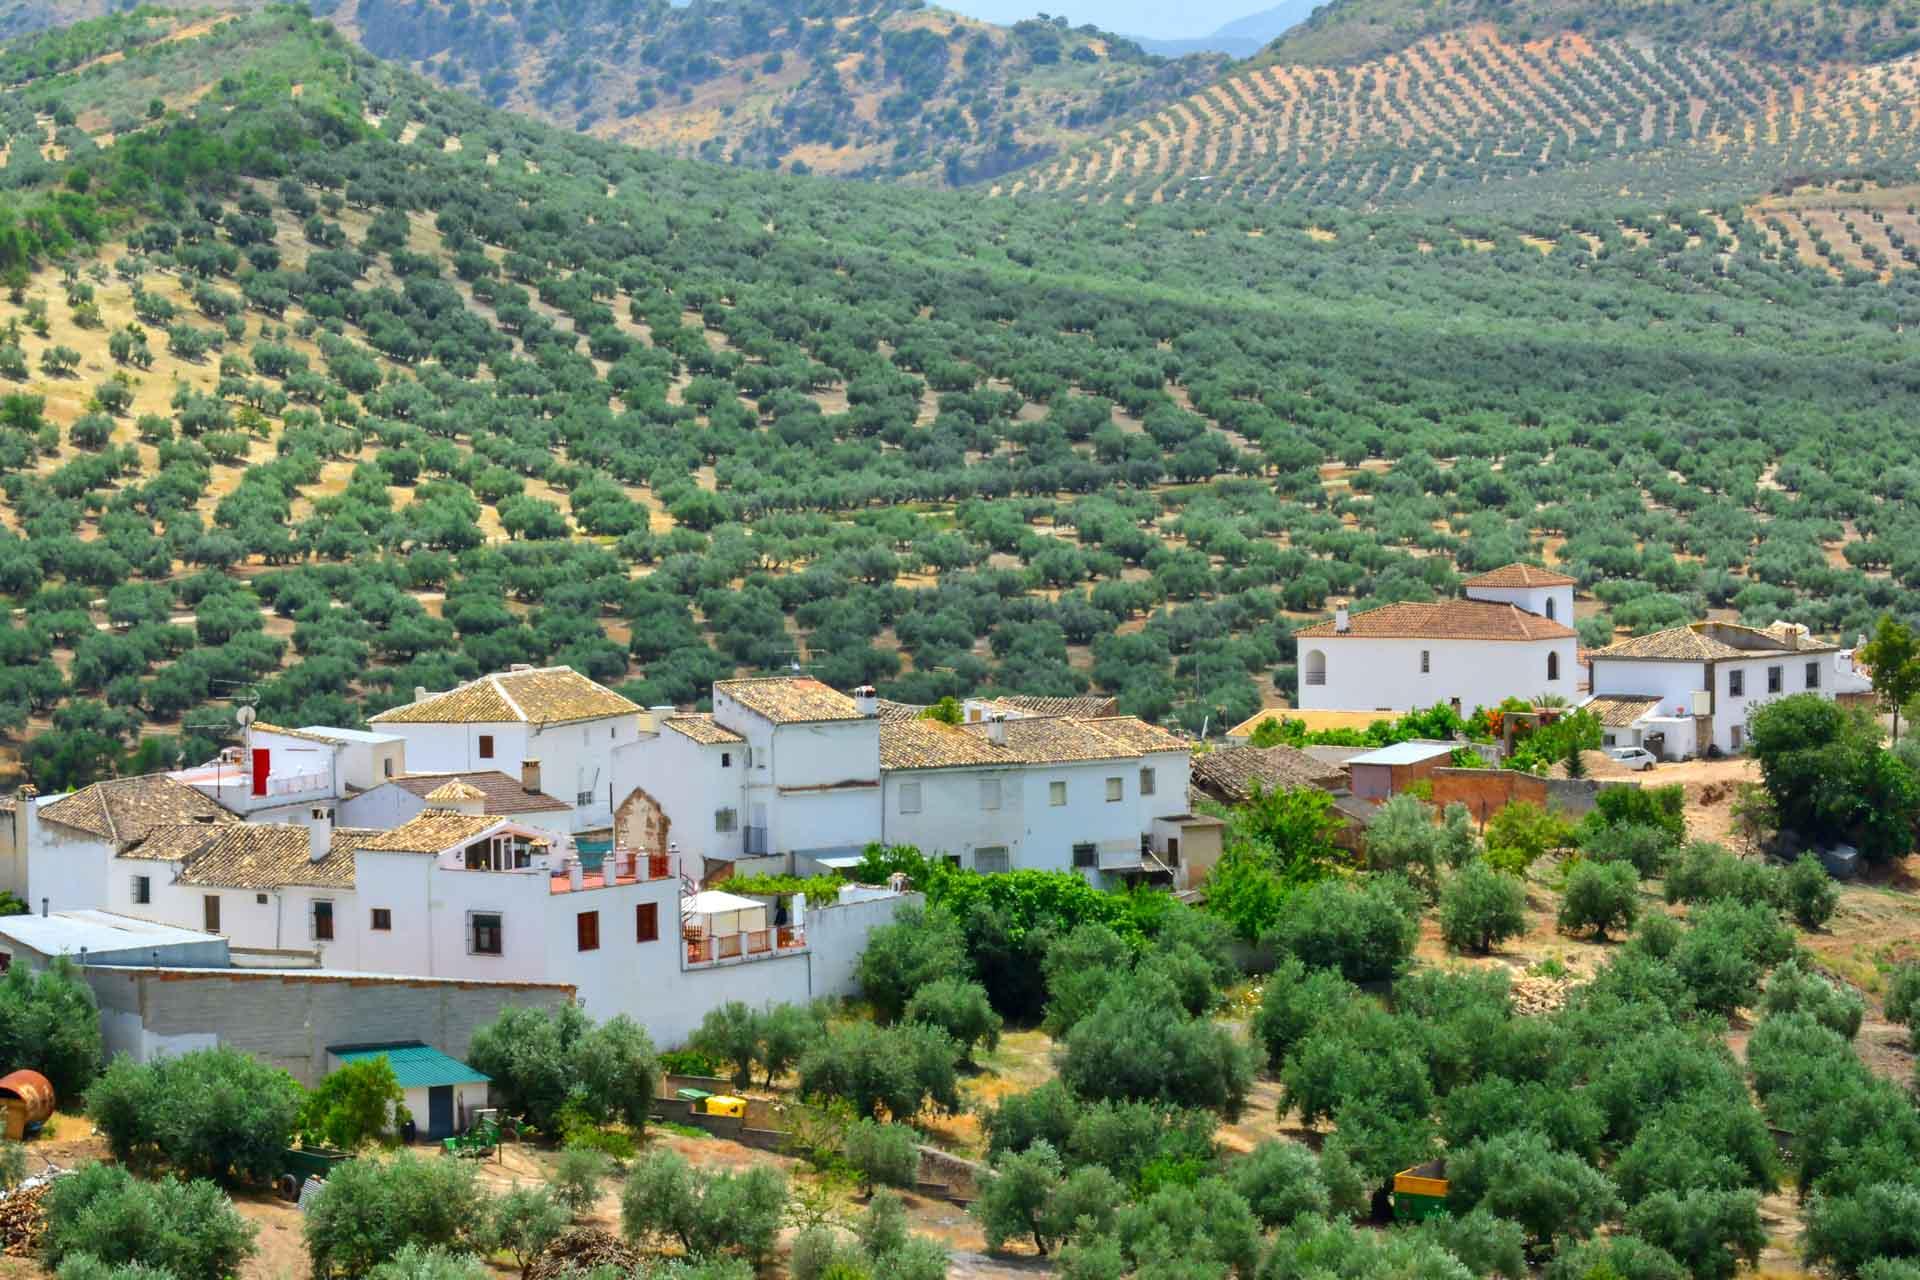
1316	667
1553	666
1552	608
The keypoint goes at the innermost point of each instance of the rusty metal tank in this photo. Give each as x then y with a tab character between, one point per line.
27	1100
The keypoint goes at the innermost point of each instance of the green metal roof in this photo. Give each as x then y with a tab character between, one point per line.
415	1065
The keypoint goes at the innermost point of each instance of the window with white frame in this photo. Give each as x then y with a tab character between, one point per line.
582	799
1056	794
1736	683
989	793
1776	679
1147	782
909	797
1116	790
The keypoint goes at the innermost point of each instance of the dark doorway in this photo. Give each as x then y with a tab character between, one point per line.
439	1112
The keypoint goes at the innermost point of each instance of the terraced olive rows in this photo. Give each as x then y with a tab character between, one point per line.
1453	116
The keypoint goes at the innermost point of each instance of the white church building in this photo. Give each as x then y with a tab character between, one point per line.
1509	637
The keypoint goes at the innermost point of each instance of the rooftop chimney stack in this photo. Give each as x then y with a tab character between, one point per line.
866	700
530	777
1342	620
419	693
317	849
576	874
997	729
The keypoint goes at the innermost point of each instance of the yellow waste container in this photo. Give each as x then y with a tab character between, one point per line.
725	1105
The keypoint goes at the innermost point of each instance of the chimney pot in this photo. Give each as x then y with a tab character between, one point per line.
576	874
317	850
530	777
997	730
866	700
419	693
1342	620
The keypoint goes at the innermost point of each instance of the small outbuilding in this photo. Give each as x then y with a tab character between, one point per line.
1380	775
442	1092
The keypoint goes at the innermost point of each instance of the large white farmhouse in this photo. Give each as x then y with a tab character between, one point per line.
1508	638
1688	690
553	718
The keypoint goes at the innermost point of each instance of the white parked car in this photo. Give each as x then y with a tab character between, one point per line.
1635	758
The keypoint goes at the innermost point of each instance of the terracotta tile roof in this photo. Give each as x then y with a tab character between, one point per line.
1057	740
1520	575
503	794
1134	732
1620	710
249	856
539	695
702	729
929	744
1714	641
1445	620
1086	707
433	831
896	711
1229	774
790	699
124	810
454	792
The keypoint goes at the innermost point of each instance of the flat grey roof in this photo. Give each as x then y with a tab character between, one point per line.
351	735
1404	753
70	932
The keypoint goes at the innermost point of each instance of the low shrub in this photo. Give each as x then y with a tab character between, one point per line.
189	1230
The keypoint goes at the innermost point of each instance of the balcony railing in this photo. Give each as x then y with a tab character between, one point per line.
621	866
753	944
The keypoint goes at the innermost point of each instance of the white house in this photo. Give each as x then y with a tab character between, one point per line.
680	784
408	796
64	845
296	775
1033	792
1689	690
1508	638
554	717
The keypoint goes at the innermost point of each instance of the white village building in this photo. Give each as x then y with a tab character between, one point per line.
1689	690
564	723
1510	637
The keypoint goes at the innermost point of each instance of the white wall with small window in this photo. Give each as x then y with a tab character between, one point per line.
576	760
971	814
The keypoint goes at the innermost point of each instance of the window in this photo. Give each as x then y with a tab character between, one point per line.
210	912
726	759
323	921
726	820
1056	794
259	899
142	890
1426	662
1736	683
1776	679
1552	609
1553	666
1146	782
586	930
323	815
1173	851
1316	667
992	860
382	920
582	799
1116	790
1813	675
1086	855
484	933
486	746
989	793
909	797
646	922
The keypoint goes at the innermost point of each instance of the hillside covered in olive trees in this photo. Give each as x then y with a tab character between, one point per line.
318	383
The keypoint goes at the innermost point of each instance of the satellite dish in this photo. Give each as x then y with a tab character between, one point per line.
244	716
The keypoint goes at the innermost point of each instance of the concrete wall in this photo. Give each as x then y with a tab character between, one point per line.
1486	791
289	1019
1365	674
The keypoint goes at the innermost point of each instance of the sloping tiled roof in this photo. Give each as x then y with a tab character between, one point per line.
702	729
1086	707
1620	710
453	792
124	810
1713	641
503	794
930	744
1230	773
1134	732
790	699
432	831
1057	740
891	710
539	695
255	856
1445	620
1520	575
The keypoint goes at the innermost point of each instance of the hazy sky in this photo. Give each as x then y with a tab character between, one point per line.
1192	18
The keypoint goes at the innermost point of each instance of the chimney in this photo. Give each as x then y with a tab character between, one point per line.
519	667
997	729
866	700
26	821
576	874
317	849
419	693
655	718
1342	620
530	777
